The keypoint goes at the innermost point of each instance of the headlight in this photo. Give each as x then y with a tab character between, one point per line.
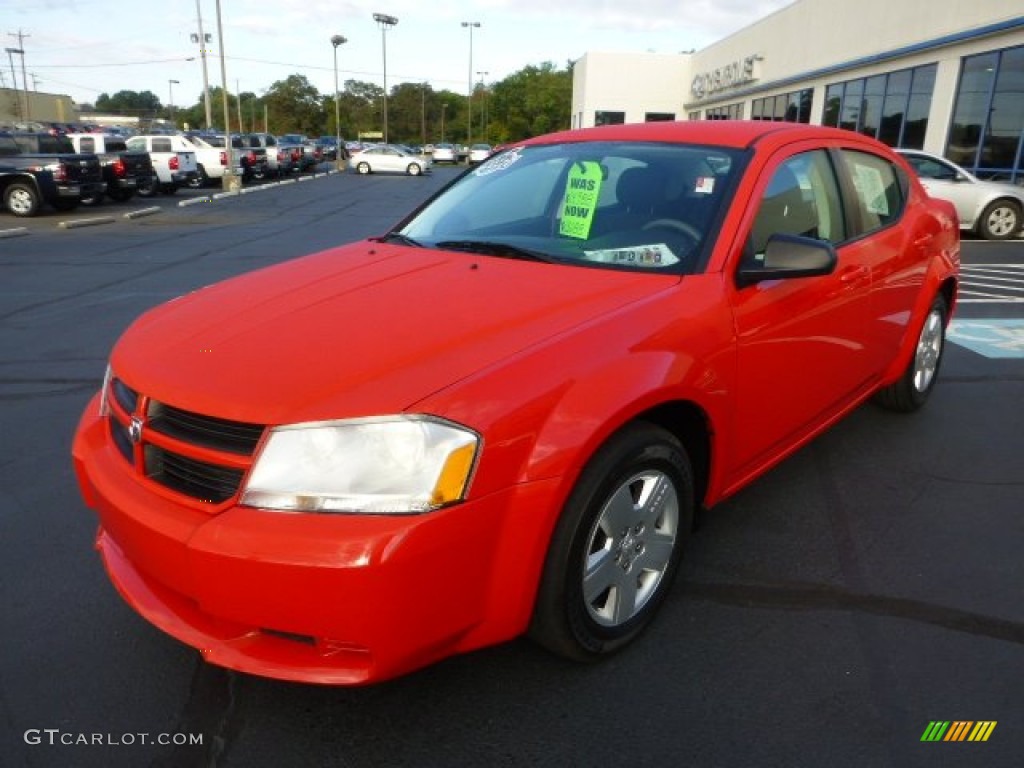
388	465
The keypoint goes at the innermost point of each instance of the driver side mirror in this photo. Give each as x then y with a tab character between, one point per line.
789	256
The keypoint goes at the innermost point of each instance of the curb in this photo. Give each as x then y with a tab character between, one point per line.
142	212
194	201
76	223
16	232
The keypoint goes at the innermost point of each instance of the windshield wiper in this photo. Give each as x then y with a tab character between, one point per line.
397	237
490	248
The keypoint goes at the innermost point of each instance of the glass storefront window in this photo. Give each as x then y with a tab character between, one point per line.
792	107
892	107
849	117
1000	148
971	111
609	118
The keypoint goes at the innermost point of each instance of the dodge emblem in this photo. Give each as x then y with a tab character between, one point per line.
135	430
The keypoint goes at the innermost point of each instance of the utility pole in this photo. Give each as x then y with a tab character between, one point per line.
24	78
204	40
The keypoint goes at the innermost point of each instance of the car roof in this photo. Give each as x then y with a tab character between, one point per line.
738	134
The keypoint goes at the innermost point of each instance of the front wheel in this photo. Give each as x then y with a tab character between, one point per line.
414	169
617	545
912	389
363	168
1000	220
21	199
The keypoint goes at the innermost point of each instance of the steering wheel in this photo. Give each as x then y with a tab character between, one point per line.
676	224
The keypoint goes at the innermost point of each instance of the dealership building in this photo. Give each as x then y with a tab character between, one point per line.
946	76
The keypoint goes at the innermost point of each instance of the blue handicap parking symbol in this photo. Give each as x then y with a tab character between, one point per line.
997	337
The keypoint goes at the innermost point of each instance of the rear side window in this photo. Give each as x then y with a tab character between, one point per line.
879	197
87	144
162	145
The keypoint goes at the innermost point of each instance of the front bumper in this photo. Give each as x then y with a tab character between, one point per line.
336	599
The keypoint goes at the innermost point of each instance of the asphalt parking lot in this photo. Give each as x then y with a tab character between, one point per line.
827	615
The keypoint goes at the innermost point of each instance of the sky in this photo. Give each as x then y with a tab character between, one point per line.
84	48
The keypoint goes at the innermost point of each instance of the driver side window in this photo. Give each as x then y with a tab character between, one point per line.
802	199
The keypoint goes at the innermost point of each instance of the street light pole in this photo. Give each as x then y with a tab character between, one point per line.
483	111
337	40
444	108
170	98
469	94
385	22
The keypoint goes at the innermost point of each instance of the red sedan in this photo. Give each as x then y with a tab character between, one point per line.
500	417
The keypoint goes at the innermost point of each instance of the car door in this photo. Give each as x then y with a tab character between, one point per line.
801	342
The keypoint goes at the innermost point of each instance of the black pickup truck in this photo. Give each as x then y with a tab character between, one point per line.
37	168
125	171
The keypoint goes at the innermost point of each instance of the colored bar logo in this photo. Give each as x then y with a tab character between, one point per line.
958	730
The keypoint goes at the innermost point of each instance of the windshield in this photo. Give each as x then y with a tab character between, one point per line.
639	206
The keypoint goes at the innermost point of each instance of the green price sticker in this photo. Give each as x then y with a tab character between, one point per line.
582	189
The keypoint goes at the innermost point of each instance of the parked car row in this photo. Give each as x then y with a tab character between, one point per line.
65	170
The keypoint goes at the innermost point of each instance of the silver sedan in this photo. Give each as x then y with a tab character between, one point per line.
388	159
992	209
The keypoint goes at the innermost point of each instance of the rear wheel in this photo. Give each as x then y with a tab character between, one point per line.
915	385
94	199
148	187
363	168
617	546
121	195
21	199
199	181
1000	220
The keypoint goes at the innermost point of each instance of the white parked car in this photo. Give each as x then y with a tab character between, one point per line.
174	160
389	159
211	161
479	152
992	209
443	153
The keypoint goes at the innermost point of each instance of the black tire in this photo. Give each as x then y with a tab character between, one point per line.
414	169
121	195
148	187
200	181
1000	220
912	389
169	189
92	200
21	199
363	168
65	205
622	530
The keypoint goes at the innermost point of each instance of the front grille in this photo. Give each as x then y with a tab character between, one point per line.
189	453
199	479
207	431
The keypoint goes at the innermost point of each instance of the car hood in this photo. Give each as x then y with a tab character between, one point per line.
359	330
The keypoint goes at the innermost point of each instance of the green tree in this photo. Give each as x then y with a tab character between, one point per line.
294	106
530	102
139	104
